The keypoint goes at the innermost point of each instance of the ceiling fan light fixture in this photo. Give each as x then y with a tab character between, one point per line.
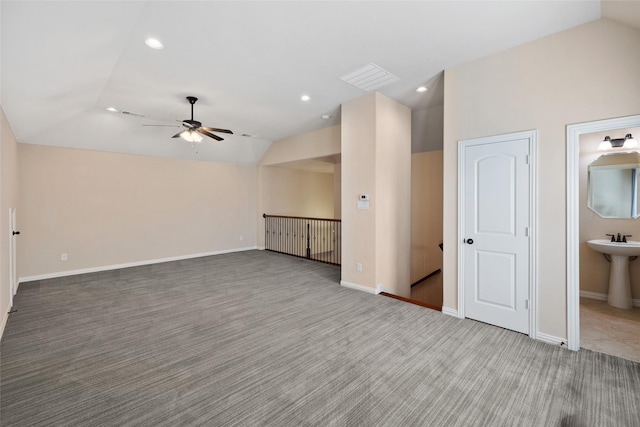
190	136
154	43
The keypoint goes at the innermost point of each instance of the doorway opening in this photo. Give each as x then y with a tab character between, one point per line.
574	134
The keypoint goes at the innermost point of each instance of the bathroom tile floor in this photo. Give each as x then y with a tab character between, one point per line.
610	330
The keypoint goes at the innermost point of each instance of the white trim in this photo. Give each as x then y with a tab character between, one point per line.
532	136
4	321
359	287
381	288
604	297
129	264
550	339
573	216
450	311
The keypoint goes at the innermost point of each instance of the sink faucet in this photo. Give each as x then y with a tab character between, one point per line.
621	238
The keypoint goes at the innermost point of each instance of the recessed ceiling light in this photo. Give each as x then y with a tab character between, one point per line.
154	43
326	116
113	110
422	89
305	98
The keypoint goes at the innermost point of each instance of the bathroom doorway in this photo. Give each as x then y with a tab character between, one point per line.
592	322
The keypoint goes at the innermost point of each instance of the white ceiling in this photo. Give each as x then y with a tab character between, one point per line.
63	63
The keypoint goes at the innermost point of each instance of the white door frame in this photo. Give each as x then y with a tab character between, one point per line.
573	216
12	256
532	136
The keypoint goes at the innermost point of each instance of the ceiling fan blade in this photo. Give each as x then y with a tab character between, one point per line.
210	135
177	135
216	130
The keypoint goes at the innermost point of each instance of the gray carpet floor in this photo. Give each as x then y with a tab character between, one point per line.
258	338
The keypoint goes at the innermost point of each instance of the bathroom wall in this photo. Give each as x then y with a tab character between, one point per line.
594	268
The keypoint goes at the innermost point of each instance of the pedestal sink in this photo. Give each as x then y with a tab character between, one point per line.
619	284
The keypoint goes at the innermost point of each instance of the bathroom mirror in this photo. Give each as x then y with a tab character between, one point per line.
613	185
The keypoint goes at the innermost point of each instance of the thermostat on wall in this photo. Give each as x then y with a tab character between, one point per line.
364	197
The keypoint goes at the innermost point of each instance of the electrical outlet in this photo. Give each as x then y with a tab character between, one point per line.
64	257
359	267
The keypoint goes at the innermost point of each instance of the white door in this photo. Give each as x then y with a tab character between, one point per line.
13	281
495	225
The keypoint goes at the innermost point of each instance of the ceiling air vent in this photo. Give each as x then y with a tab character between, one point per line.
129	113
369	77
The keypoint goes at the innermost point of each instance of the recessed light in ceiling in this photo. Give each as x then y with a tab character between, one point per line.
113	110
305	98
326	116
422	89
154	43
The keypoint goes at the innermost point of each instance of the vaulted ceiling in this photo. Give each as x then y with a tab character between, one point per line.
64	63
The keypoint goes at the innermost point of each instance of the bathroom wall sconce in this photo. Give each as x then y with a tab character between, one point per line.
627	142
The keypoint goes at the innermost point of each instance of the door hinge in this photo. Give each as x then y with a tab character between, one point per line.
526	304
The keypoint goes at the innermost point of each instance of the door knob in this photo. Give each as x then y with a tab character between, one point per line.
469	241
16	232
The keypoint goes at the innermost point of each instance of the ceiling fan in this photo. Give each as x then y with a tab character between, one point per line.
194	128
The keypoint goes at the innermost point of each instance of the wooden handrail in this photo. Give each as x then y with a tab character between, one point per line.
300	217
412	301
428	276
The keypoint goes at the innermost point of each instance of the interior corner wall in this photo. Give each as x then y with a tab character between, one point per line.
8	200
426	129
337	191
293	192
109	209
583	74
318	143
358	177
376	161
276	200
426	213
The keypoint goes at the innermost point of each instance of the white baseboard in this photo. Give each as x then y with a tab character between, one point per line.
382	289
129	264
358	287
603	297
449	311
4	322
550	339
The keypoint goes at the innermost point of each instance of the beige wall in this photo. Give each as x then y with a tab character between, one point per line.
583	74
594	268
295	192
337	191
426	213
279	193
376	160
310	145
106	209
8	199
